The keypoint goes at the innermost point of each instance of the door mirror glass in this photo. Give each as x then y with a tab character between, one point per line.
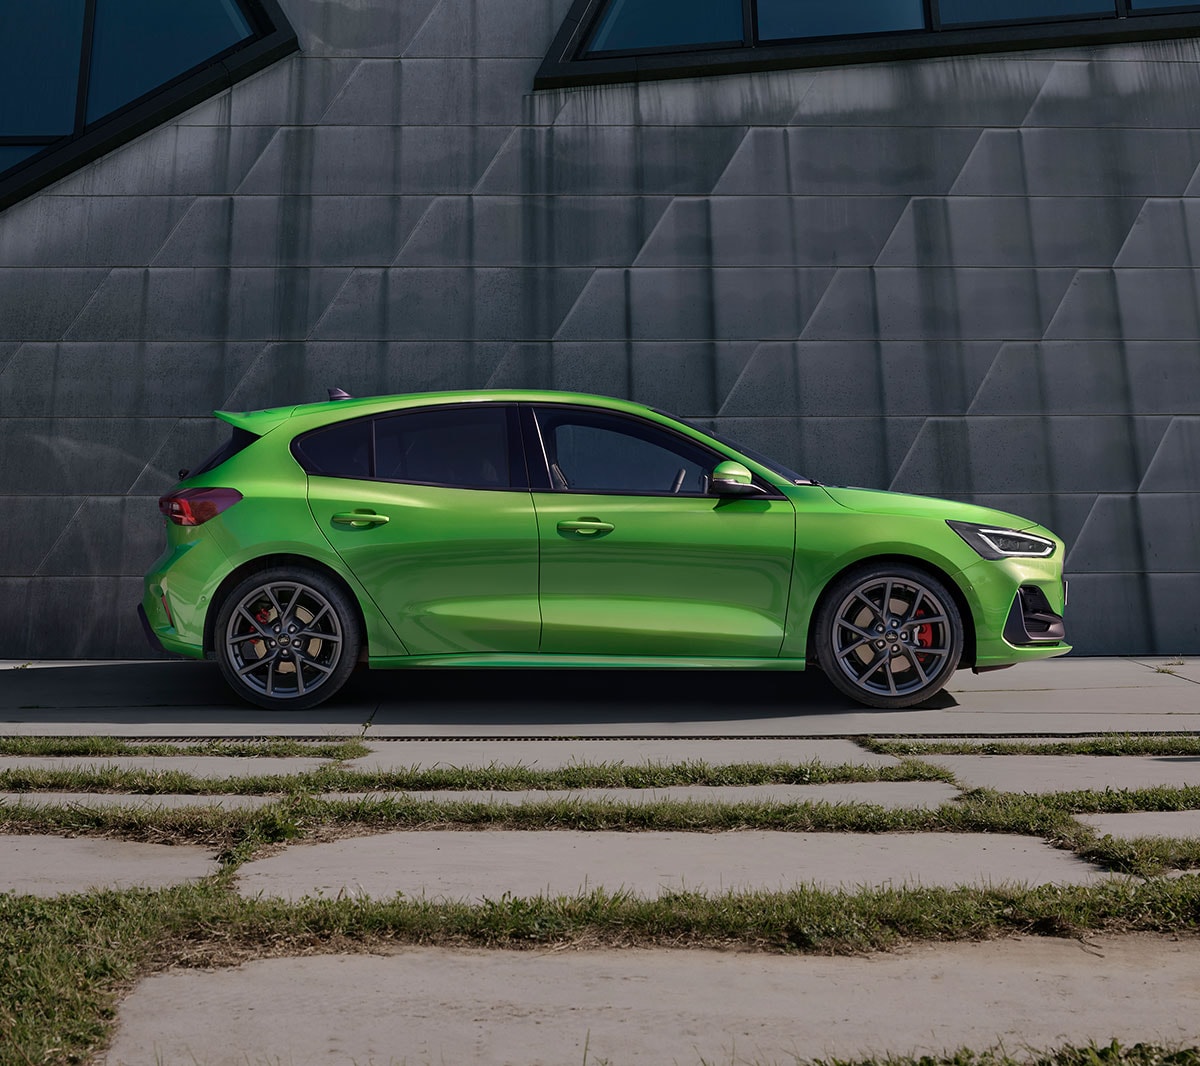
733	479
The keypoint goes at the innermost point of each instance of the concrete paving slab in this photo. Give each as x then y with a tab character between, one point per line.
554	754
1066	773
92	800
1175	824
1189	668
889	794
480	1008
51	866
205	766
1078	674
481	864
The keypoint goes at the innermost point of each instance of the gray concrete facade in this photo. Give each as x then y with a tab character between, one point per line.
972	277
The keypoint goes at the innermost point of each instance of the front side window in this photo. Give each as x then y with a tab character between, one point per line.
594	452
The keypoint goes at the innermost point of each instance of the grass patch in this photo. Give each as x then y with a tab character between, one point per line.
64	962
1116	744
113	747
1113	1054
492	778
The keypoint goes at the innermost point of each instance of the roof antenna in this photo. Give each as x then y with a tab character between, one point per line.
339	394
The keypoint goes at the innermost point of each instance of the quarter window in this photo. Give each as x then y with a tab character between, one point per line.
341	450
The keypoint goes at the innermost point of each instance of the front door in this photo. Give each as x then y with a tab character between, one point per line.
638	559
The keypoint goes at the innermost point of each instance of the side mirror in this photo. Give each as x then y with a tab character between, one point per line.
732	479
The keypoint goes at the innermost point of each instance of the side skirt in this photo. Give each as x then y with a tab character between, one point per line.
581	662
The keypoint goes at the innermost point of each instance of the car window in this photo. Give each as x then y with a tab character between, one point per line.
589	451
462	447
340	450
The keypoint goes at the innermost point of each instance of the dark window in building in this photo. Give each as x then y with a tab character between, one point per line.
70	71
40	45
631	25
979	12
635	40
456	447
779	19
141	44
340	450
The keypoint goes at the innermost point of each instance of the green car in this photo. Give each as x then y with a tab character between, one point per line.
506	528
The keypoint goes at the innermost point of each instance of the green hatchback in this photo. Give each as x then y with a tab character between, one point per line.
506	528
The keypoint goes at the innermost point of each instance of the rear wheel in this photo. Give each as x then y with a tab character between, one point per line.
888	636
286	638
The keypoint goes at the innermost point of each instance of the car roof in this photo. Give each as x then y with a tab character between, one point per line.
262	421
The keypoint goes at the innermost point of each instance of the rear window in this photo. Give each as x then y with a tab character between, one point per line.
238	440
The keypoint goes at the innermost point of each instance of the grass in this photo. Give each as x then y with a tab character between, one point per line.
492	778
99	747
1113	1054
64	962
1116	744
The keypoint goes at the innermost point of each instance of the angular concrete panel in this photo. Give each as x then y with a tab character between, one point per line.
1131	95
1110	614
40	520
367	160
900	303
268	231
1008	231
434	92
855	378
1166	234
179	304
1175	466
76	456
848	161
533	231
107	536
955	91
42	304
773	231
487	303
485	28
1080	162
1131	304
294	92
620	160
357	27
72	617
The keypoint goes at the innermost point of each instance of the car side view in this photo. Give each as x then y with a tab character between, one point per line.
527	528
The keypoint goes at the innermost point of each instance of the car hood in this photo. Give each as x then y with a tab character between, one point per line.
875	501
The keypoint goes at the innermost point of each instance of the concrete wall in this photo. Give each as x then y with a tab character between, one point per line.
972	277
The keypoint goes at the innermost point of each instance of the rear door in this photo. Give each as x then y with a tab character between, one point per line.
431	511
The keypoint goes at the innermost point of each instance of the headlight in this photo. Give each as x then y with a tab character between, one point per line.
994	543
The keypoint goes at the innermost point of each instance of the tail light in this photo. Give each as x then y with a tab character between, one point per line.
194	507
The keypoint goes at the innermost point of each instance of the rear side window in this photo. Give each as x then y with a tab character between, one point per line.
238	440
473	447
340	450
463	447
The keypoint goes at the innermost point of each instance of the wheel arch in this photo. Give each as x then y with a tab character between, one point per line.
935	571
266	562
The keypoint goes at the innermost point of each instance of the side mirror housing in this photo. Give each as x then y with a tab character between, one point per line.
732	479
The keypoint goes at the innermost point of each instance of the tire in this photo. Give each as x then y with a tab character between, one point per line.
286	638
888	658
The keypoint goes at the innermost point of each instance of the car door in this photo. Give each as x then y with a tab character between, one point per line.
637	558
430	509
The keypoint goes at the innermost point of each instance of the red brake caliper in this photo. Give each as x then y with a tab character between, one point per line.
924	633
262	616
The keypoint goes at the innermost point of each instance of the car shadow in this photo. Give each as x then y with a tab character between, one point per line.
186	691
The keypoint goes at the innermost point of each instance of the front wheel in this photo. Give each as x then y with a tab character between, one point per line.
888	636
286	638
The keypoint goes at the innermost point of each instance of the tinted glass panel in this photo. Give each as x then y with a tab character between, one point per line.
781	19
632	24
140	44
40	44
10	157
598	453
965	11
1153	5
342	450
461	447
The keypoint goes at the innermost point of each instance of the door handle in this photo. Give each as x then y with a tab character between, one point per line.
589	527
360	519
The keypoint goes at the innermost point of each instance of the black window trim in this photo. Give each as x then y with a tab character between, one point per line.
518	463
540	480
564	66
274	38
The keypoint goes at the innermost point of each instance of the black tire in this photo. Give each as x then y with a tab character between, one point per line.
888	635
286	638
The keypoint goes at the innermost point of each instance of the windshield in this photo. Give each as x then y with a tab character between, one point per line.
751	453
